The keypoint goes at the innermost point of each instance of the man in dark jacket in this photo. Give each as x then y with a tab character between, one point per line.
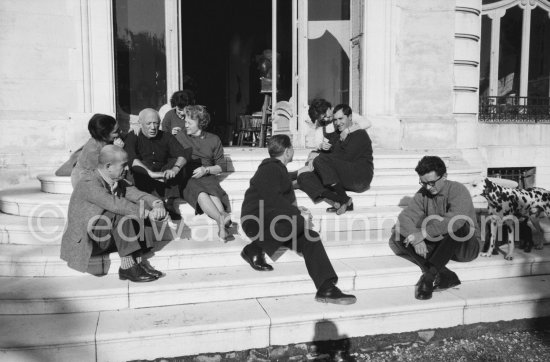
271	218
346	166
104	214
156	158
438	225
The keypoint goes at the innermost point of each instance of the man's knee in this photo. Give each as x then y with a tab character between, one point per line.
464	231
321	161
396	244
305	178
468	251
312	236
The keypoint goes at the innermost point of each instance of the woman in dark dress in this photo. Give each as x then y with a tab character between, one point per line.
202	189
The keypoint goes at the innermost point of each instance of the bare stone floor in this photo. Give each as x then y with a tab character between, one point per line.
517	340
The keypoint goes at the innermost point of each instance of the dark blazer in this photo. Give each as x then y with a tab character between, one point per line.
271	184
90	198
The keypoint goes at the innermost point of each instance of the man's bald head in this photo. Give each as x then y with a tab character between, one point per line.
111	154
113	162
149	121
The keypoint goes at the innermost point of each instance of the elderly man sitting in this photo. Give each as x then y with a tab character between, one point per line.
106	213
156	158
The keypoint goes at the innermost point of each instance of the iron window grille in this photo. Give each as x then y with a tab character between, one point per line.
513	109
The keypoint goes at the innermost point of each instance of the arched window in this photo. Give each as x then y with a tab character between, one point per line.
514	83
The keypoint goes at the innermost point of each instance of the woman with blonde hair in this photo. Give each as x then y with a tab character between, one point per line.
202	189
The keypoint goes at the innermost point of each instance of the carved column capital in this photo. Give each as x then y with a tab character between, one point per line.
496	14
527	4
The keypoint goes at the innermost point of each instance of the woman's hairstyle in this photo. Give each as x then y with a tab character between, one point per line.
100	126
317	108
198	113
344	108
182	98
278	144
431	163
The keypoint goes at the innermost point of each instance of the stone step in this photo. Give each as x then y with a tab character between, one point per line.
28	200
240	180
249	159
87	293
44	260
171	331
28	230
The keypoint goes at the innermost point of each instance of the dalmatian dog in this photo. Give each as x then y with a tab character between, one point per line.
509	208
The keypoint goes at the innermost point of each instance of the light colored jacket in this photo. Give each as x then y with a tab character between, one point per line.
90	198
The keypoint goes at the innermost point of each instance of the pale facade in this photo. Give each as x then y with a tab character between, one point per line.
414	71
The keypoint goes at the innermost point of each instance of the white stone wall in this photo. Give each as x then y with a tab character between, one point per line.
56	70
425	50
41	77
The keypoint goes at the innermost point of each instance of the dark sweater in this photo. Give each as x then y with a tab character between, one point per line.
271	184
357	147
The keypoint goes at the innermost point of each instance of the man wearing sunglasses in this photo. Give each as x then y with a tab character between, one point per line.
438	225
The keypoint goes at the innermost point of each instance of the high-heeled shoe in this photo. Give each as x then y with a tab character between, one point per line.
340	209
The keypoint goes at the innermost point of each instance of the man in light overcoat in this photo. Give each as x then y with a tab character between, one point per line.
106	213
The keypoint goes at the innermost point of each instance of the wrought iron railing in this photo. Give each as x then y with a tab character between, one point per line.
512	109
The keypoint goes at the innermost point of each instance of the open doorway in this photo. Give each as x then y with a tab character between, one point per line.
220	42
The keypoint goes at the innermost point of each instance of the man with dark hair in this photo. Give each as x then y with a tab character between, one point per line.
347	167
321	116
272	220
438	225
174	120
156	158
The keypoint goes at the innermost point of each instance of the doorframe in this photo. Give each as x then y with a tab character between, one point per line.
173	47
299	96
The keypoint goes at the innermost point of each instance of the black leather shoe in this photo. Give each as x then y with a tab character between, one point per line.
150	270
257	262
334	295
424	288
135	274
445	279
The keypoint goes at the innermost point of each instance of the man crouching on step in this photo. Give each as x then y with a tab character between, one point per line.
438	225
107	213
271	218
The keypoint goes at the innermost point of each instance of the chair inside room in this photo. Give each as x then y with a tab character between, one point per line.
249	130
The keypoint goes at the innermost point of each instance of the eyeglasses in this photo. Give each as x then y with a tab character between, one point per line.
429	183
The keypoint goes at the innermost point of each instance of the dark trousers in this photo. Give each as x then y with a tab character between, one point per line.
162	189
329	170
307	242
119	236
439	253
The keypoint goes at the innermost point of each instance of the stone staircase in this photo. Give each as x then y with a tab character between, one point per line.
211	301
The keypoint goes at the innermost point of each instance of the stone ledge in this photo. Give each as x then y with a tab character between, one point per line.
258	323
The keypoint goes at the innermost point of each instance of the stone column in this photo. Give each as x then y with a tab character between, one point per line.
466	71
